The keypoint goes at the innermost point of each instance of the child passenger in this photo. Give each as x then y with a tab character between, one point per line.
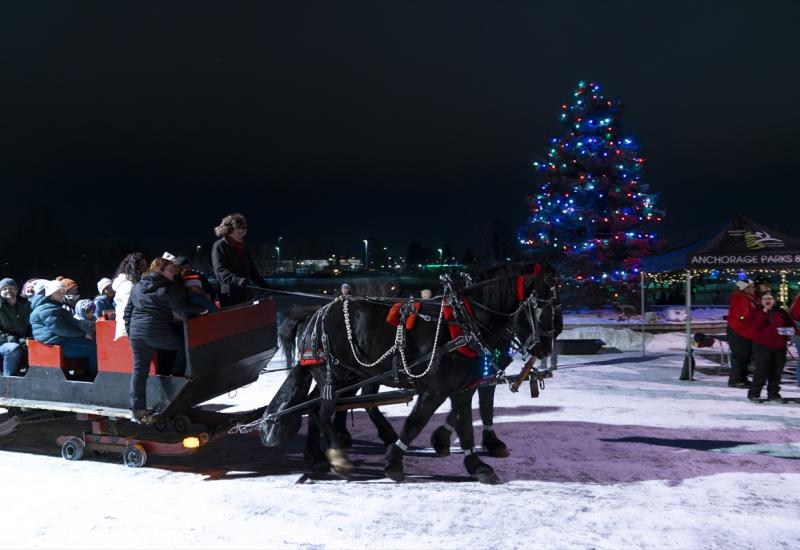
85	315
104	301
196	295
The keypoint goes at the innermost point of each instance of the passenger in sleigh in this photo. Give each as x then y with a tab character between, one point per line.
52	324
198	289
85	315
150	318
104	301
73	293
15	313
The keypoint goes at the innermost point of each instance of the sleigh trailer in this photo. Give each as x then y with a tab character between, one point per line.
224	351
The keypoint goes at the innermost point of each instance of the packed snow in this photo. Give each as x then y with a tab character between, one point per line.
615	453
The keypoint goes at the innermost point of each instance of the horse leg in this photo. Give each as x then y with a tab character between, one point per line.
340	422
313	451
462	404
440	438
426	405
336	456
386	431
491	443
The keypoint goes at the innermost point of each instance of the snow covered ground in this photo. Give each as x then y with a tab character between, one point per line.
662	315
616	453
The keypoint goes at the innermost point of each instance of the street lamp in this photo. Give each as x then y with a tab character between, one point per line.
197	256
278	254
366	255
440	256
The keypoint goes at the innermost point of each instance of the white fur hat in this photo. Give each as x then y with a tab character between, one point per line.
52	286
103	284
741	285
39	285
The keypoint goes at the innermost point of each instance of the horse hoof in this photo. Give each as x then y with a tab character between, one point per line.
440	441
489	478
395	474
480	470
320	465
339	463
494	446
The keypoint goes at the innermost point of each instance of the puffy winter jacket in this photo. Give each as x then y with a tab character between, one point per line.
765	327
14	320
102	303
234	273
741	307
155	304
51	323
123	287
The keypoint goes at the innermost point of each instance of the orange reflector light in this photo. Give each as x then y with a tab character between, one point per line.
191	442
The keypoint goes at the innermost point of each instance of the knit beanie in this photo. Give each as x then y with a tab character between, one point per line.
8	282
39	286
52	286
103	284
67	282
741	285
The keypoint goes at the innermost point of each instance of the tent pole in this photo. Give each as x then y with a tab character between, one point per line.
641	284
687	373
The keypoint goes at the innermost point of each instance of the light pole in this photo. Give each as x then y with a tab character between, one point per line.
366	255
278	254
197	256
440	256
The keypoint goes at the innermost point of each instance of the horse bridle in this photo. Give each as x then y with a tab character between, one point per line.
532	307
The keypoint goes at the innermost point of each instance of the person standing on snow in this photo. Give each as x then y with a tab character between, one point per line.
739	331
771	329
233	266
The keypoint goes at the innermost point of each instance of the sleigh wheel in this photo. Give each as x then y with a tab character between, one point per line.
134	456
181	423
73	448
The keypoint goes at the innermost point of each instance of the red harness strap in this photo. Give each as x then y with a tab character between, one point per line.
393	318
537	269
455	329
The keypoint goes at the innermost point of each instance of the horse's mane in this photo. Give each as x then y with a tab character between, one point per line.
503	292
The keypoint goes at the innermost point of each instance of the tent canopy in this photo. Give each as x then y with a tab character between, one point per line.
742	243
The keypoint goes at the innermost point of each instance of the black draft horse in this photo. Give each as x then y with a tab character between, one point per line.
551	322
503	300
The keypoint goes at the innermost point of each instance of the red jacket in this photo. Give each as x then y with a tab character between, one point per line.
741	307
794	312
765	325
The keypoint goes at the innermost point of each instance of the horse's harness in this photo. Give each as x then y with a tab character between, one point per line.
529	309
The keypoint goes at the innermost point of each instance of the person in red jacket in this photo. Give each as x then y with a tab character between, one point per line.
771	329
742	305
794	311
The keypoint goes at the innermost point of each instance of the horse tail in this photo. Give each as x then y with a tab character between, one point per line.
287	331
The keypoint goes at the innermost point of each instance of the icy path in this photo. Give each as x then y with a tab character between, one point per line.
615	453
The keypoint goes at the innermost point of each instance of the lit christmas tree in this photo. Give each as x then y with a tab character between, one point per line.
591	206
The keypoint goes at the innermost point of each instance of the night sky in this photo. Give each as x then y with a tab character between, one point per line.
330	122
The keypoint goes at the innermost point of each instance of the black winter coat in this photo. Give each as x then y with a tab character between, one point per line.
154	306
234	273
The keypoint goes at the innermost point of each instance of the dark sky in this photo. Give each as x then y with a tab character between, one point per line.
330	122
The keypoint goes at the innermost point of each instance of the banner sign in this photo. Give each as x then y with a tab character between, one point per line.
745	243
